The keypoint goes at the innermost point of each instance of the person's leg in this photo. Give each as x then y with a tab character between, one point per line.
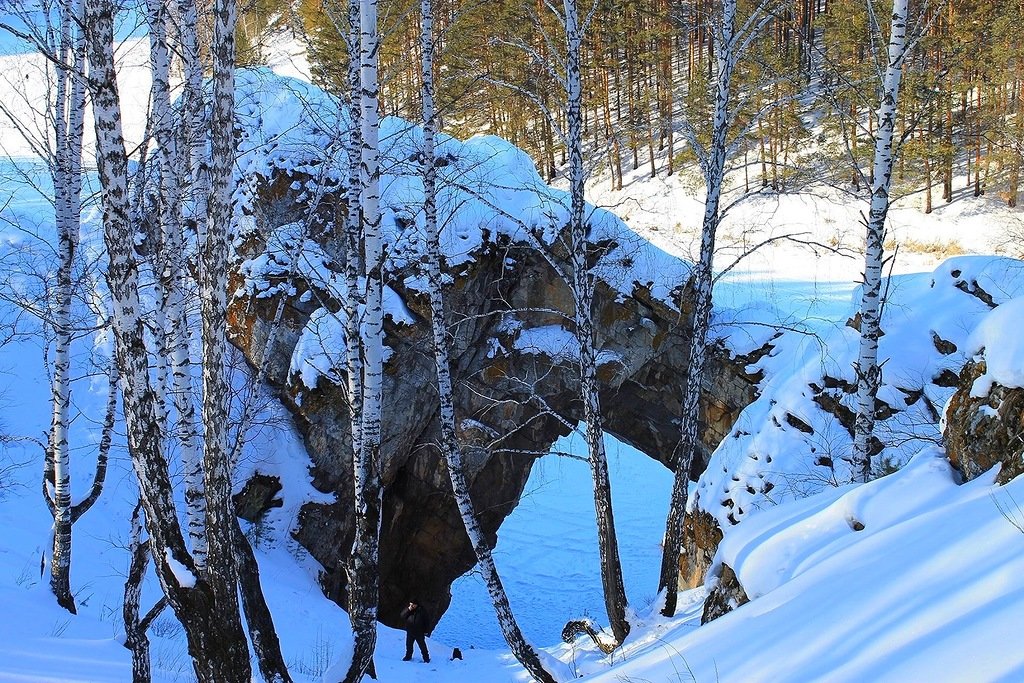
423	647
408	647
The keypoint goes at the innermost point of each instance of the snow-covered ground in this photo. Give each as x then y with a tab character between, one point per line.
931	588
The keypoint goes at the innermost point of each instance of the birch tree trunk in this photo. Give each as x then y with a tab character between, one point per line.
363	570
232	565
354	263
583	297
223	536
205	605
450	448
103	450
135	627
171	270
194	113
868	372
197	164
258	619
713	167
68	119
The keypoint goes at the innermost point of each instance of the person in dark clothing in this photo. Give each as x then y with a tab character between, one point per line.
417	625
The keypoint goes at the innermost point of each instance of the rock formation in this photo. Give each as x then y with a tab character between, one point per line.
727	595
984	431
517	388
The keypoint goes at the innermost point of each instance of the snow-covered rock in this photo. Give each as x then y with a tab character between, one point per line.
984	419
796	438
514	353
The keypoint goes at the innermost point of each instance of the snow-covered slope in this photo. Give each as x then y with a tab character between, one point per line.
25	80
930	590
792	441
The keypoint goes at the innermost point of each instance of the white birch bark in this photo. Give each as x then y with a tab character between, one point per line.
363	569
136	639
583	296
171	269
713	166
194	110
68	119
450	448
209	616
869	373
220	514
232	569
353	232
123	282
123	278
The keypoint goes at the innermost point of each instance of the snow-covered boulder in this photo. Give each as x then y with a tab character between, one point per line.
985	417
514	354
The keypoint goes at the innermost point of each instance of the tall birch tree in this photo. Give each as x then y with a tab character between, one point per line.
363	570
582	286
205	604
569	129
58	37
66	172
170	268
193	161
869	374
732	40
213	295
450	446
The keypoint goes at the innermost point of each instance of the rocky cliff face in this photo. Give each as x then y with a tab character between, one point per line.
984	431
517	385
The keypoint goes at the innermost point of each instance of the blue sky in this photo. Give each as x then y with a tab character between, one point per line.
129	23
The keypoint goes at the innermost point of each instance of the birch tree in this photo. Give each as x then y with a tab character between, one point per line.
194	107
363	569
207	604
354	263
60	40
213	295
231	560
171	337
569	74
136	638
170	268
731	40
582	286
68	124
450	446
869	374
